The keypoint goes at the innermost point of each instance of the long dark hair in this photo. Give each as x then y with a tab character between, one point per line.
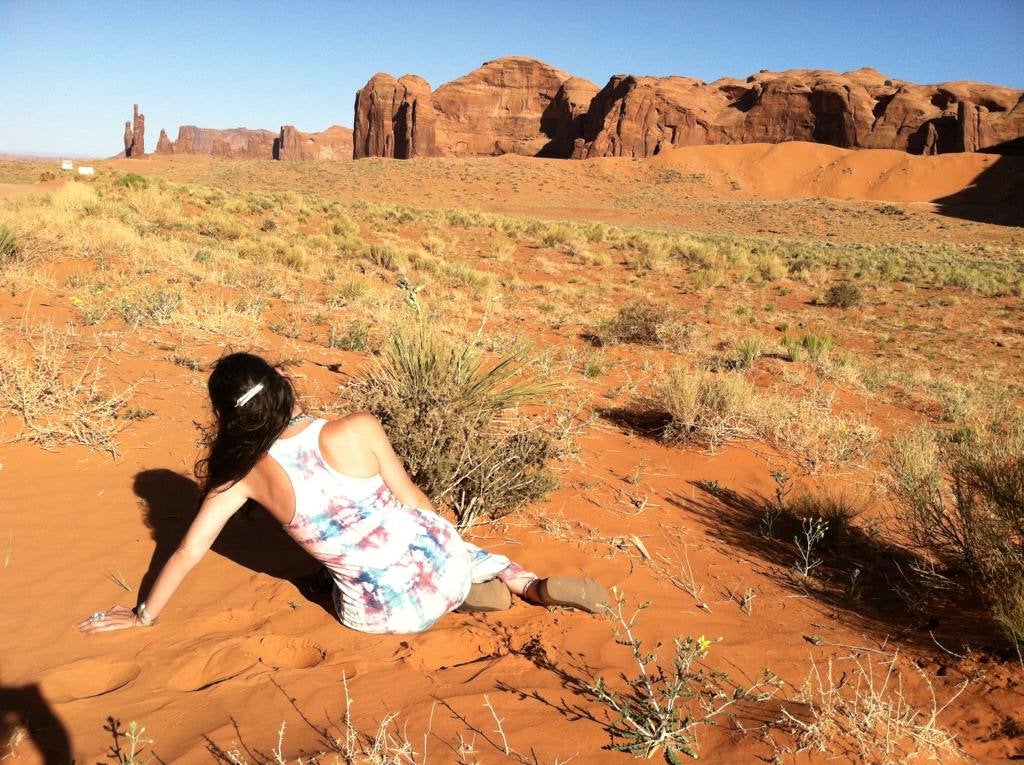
244	432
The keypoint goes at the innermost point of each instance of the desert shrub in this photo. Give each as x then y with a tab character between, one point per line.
347	293
746	352
132	181
149	306
806	426
638	322
661	708
450	417
771	267
8	246
57	391
704	407
856	710
461	274
817	347
595	366
353	337
557	234
649	253
844	295
960	499
219	225
836	509
257	203
793	348
384	256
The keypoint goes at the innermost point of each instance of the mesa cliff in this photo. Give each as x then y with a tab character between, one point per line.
288	143
523	106
519	105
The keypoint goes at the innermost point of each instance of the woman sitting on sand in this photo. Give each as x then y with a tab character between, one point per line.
342	493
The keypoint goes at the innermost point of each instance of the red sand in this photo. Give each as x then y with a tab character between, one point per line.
241	649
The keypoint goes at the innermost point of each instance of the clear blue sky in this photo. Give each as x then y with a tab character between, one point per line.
70	71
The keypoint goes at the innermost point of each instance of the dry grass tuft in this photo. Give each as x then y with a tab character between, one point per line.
56	389
707	408
863	715
960	500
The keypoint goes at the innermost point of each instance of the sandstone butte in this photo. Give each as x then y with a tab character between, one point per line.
288	143
523	106
519	105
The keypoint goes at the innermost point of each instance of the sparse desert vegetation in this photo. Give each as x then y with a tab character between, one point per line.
817	401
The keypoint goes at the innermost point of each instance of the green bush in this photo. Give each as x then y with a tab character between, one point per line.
844	295
660	709
132	181
448	414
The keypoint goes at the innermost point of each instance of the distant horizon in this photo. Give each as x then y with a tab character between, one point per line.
73	70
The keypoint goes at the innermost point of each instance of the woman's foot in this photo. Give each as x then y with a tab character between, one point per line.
581	593
491	595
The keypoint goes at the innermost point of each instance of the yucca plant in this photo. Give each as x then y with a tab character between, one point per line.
452	416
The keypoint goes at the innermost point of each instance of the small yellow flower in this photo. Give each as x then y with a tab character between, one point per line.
703	643
77	301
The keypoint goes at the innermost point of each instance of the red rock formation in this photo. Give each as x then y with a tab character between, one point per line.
135	135
394	118
638	116
504	107
138	133
525	106
163	144
293	145
509	105
239	143
563	120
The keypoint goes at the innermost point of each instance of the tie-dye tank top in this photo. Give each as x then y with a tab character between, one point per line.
396	568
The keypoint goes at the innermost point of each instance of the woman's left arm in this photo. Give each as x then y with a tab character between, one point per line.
214	513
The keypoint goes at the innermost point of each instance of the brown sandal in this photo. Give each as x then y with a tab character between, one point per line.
491	595
581	593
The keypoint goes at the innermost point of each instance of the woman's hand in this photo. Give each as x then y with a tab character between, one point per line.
115	618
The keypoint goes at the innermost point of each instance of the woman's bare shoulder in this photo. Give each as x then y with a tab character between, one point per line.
361	424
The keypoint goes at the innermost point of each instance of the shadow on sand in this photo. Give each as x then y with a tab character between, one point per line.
251	538
888	598
996	196
24	712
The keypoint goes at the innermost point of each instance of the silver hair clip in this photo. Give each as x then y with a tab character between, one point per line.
245	397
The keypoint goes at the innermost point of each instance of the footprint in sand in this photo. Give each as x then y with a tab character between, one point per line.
285	653
205	670
86	679
230	661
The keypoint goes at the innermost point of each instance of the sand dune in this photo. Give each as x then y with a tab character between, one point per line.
800	170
